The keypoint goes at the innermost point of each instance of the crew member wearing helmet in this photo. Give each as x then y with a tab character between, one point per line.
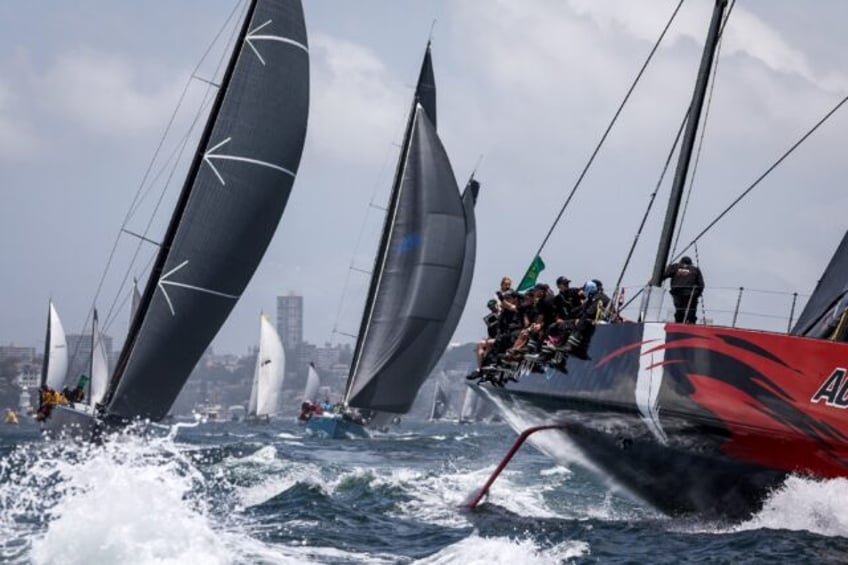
687	286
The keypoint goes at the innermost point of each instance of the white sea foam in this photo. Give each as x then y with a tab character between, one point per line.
132	501
485	551
805	504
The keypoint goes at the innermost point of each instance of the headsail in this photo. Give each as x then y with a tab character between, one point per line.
829	301
99	365
416	275
228	210
313	381
269	372
54	366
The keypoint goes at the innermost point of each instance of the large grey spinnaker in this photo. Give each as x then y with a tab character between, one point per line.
416	275
228	210
469	199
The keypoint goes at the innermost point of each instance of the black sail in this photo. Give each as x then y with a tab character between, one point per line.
829	300
417	275
469	199
229	208
425	91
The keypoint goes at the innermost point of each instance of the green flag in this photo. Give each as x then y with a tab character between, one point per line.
536	267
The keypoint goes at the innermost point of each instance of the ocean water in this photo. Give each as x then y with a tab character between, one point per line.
234	493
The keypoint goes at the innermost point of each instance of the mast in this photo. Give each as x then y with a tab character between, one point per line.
688	143
391	212
182	202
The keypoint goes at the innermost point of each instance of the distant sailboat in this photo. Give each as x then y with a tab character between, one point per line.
441	402
54	367
269	373
313	381
232	200
99	365
417	288
136	299
475	408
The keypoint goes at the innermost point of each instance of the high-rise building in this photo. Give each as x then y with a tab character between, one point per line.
290	321
290	328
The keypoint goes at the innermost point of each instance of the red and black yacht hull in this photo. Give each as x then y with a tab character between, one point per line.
691	419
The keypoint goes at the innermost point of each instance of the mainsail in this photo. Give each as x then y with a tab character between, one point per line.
269	372
827	306
99	364
227	212
417	269
310	392
54	367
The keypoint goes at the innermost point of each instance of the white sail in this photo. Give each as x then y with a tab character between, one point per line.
57	352
269	372
313	381
469	406
99	365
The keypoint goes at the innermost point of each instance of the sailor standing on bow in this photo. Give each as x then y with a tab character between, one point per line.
687	286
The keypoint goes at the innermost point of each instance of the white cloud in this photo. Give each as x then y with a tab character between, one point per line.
107	94
17	140
357	107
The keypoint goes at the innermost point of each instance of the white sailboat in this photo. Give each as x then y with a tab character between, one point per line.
99	365
55	366
269	373
313	381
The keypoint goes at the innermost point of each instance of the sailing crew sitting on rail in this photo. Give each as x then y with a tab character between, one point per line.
602	312
48	399
491	321
305	411
527	316
687	286
509	326
505	286
78	393
577	344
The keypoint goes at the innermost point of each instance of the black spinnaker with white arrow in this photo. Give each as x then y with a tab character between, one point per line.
227	212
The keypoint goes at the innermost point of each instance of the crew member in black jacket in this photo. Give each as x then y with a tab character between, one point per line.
687	286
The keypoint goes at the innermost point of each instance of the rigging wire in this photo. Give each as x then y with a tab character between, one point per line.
753	185
765	174
609	128
668	161
713	76
352	267
648	209
138	194
202	110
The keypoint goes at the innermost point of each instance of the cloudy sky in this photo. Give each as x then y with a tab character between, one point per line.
87	89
